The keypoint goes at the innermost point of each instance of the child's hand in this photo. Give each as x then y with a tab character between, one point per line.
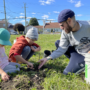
5	76
9	59
89	52
30	65
35	50
39	48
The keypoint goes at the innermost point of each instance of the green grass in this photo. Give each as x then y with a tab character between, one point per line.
54	80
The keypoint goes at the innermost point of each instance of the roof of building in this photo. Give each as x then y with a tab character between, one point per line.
38	26
3	22
52	25
49	25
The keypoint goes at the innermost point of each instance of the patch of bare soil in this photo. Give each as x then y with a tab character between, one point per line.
26	79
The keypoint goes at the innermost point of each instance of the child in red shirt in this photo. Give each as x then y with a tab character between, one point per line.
24	47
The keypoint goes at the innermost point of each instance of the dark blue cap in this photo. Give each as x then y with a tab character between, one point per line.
65	14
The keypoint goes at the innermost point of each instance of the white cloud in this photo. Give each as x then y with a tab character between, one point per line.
21	13
22	21
43	2
79	15
45	16
33	13
29	17
16	17
72	1
56	12
51	20
78	4
49	13
8	16
21	16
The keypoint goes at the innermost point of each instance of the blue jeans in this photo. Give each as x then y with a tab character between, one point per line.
12	67
76	59
27	52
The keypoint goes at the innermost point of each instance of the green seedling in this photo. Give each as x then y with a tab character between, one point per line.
34	88
0	80
28	82
16	66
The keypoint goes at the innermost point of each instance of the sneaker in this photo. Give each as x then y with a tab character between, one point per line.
82	68
52	50
46	53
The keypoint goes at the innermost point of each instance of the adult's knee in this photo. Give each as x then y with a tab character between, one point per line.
65	72
57	43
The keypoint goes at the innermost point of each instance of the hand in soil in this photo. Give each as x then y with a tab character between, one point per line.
5	76
42	62
30	65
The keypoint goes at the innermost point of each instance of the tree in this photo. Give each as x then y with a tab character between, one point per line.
19	27
33	22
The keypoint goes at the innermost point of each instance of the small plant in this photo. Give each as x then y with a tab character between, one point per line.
0	80
28	82
16	66
34	88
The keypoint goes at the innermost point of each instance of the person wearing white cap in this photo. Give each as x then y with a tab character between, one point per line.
24	47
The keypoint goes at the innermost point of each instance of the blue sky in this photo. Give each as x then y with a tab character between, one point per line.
43	9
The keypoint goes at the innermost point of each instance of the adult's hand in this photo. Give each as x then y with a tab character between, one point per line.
42	62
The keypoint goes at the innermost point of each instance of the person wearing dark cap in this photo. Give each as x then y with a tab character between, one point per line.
74	42
24	47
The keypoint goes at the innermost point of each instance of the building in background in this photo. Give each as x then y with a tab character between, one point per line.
52	28
3	25
48	28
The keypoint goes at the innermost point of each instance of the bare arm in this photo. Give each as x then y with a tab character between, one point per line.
35	49
19	58
43	61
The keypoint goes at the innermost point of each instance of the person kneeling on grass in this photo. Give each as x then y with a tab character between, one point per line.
24	47
74	42
5	65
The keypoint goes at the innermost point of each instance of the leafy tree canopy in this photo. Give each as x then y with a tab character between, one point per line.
33	22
